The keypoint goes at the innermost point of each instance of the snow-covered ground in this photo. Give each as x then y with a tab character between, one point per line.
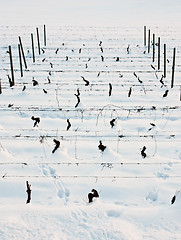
134	192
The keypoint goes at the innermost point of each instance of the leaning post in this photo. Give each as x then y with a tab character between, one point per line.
32	45
173	67
165	61
38	40
11	65
20	60
21	46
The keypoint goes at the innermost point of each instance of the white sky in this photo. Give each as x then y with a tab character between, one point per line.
90	12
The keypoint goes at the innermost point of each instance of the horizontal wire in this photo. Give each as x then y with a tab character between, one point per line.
87	71
95	176
42	108
96	134
123	84
76	131
81	139
89	163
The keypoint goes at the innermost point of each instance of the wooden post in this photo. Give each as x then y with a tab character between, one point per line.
110	89
45	42
165	62
32	44
173	67
144	35
28	192
11	64
148	40
38	39
158	53
0	87
21	45
153	47
20	60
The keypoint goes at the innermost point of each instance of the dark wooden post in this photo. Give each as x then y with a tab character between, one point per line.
11	64
38	39
153	47
20	60
158	53
110	89
173	67
144	35
0	87
21	45
28	192
32	44
165	62
45	42
148	40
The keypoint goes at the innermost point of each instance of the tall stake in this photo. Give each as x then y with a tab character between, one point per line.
144	35
20	60
11	64
173	67
0	87
38	39
148	40
165	62
45	43
32	44
153	47
158	53
21	45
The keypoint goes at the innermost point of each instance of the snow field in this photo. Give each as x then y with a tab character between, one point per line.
135	193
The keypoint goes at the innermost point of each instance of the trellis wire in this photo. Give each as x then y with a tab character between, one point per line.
106	164
92	176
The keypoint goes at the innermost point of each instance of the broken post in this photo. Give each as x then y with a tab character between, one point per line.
158	53
57	145
173	67
28	192
143	154
165	62
93	194
38	39
21	46
110	89
45	36
20	60
148	40
153	47
144	35
33	49
11	64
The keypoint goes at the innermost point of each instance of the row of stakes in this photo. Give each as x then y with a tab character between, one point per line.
147	43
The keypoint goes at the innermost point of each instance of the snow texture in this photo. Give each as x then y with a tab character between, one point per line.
135	192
